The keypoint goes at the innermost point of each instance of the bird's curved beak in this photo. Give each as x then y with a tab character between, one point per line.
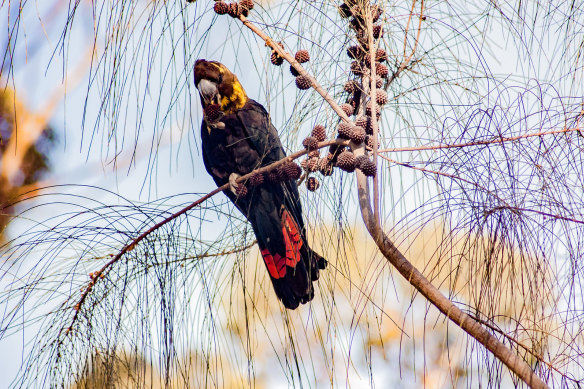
208	91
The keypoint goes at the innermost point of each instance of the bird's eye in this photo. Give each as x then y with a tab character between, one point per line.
217	79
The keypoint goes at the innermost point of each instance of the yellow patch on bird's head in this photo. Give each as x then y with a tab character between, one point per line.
230	93
233	96
236	100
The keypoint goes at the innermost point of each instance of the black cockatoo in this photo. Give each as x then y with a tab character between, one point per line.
238	137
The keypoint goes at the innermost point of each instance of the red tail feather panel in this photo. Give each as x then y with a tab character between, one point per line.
276	264
291	238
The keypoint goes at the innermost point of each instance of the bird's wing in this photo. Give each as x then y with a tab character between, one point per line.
261	134
217	175
264	138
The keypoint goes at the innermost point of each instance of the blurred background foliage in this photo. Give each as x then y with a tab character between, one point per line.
25	143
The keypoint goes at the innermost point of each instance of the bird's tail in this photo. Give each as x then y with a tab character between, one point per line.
293	272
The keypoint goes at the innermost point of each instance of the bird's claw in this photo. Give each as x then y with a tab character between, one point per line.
232	182
216	125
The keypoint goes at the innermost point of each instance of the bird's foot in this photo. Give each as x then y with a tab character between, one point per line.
217	125
232	184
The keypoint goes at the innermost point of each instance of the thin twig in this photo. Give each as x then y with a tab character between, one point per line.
130	246
211	255
290	59
479	143
538	356
407	60
505	205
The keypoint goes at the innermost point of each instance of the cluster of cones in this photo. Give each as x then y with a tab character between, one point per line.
302	56
340	157
364	70
284	172
234	9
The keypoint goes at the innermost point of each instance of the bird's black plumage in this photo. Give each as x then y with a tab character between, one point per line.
240	140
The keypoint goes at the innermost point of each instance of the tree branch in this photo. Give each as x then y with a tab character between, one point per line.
393	255
481	142
99	274
428	290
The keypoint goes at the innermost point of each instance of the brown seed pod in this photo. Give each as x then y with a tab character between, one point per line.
346	161
221	8
381	97
276	59
302	56
310	143
256	179
347	109
378	82
366	64
382	70
350	87
369	126
292	171
358	135
212	112
361	159
361	121
247	4
367	166
380	55
311	165
377	31
355	52
235	10
370	141
312	184
314	154
344	130
241	190
325	166
363	38
303	82
376	12
281	173
319	133
345	11
325	161
368	109
272	176
294	72
356	68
